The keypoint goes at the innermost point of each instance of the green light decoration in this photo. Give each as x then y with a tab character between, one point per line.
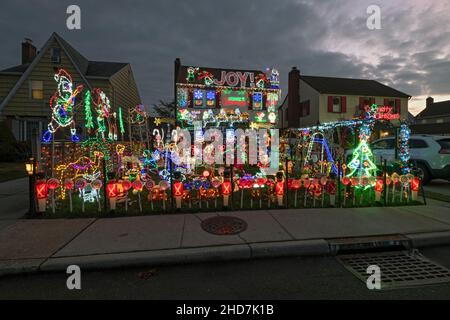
122	129
88	111
362	165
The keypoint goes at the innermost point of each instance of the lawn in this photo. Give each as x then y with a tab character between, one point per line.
12	170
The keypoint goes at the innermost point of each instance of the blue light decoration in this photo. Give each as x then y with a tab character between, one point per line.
199	98
257	100
210	98
182	97
330	159
403	145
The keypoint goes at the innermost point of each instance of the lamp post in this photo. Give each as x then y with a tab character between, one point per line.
30	167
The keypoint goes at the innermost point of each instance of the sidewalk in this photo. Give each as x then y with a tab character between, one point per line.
33	245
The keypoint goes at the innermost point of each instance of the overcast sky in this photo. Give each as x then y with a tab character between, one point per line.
411	52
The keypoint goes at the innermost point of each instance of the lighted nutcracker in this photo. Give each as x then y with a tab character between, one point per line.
279	188
226	187
111	190
41	192
178	189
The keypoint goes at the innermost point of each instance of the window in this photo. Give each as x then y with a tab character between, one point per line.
394	103
383	144
337	104
304	108
37	90
417	144
365	101
55	55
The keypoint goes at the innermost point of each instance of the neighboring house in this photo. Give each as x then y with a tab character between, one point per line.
25	89
434	119
312	100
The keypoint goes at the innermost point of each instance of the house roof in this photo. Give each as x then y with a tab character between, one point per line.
361	87
104	69
435	109
85	67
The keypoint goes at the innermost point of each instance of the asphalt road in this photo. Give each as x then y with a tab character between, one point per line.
286	278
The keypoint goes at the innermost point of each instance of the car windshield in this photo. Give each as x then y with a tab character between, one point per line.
444	143
383	144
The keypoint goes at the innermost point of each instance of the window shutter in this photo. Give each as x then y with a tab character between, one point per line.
372	101
398	108
386	102
343	104
330	104
361	103
250	100
307	108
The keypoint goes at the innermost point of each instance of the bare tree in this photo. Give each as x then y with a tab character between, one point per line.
165	109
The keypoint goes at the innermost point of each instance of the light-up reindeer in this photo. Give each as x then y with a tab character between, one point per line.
62	104
104	114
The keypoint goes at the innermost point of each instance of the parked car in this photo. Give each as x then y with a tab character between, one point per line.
430	154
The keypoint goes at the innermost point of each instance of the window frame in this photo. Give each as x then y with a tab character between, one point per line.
32	89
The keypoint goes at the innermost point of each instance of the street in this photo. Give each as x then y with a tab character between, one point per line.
282	278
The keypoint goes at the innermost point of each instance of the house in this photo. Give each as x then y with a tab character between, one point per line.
312	100
25	89
434	119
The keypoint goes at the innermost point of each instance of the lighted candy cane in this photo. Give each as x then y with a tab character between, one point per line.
354	181
395	177
345	182
53	184
97	185
388	182
409	184
149	184
137	186
80	184
404	182
69	184
373	183
163	184
364	182
215	182
323	182
306	184
126	185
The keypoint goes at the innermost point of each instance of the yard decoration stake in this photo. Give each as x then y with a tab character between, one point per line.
388	182
112	191
345	182
323	182
138	186
178	189
331	189
68	184
97	185
53	184
395	178
279	188
80	184
306	183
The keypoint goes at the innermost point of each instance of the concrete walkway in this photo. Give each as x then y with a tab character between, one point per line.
13	200
31	245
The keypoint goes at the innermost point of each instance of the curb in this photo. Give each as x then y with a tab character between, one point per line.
297	248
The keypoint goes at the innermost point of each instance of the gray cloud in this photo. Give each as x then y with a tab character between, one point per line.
320	37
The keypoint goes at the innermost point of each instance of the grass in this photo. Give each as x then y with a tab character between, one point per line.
91	209
11	171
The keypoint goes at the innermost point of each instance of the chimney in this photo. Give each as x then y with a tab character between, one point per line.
28	51
430	101
294	98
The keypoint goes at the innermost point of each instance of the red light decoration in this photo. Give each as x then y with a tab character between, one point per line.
111	189
178	189
41	189
279	188
226	188
126	185
53	183
379	185
415	184
331	187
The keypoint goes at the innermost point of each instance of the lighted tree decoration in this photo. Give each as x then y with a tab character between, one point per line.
362	164
88	111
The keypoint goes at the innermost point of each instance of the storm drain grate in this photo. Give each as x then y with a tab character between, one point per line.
223	225
398	269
